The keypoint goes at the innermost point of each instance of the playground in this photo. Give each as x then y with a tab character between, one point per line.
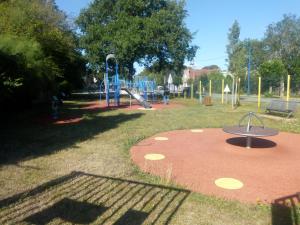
138	154
141	89
40	164
149	112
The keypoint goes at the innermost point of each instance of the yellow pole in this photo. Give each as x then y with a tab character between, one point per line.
200	91
192	90
259	92
288	88
210	88
239	88
222	91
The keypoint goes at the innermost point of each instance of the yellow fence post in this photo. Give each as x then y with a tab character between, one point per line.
288	87
192	90
259	93
222	91
210	88
200	91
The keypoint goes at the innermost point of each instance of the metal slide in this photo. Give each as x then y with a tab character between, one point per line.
138	97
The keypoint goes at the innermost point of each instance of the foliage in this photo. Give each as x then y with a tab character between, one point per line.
283	41
24	71
45	55
258	52
157	77
161	77
272	73
216	78
282	38
151	33
233	46
237	53
211	67
295	75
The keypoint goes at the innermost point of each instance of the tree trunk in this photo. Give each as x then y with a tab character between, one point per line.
131	71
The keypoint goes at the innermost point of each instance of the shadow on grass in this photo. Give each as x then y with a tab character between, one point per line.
286	210
32	139
83	198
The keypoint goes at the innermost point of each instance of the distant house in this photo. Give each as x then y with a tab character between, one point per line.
192	73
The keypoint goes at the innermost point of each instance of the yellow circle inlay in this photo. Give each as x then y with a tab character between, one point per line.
161	138
229	183
154	156
147	108
196	130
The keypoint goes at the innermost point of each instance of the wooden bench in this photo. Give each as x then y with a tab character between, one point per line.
282	107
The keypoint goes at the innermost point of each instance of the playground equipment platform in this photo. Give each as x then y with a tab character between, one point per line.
248	130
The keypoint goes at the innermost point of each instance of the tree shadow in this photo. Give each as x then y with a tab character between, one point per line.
30	139
84	198
286	210
255	143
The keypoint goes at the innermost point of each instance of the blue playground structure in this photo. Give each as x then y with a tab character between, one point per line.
141	89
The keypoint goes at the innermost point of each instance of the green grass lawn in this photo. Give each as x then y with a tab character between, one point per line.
37	159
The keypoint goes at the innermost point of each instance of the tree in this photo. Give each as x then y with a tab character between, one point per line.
216	78
23	67
233	47
151	75
258	52
273	73
282	41
282	38
237	54
211	67
44	57
161	77
149	32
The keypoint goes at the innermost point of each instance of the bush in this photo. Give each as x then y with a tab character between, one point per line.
65	87
268	95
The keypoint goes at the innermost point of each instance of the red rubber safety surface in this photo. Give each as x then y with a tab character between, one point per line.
96	105
68	120
269	170
61	120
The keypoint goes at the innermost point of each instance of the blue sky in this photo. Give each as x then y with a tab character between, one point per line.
211	19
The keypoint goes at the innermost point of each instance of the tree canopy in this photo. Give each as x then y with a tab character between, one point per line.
233	38
282	41
38	51
272	72
149	32
279	47
233	46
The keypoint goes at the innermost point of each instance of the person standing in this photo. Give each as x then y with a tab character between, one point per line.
166	94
